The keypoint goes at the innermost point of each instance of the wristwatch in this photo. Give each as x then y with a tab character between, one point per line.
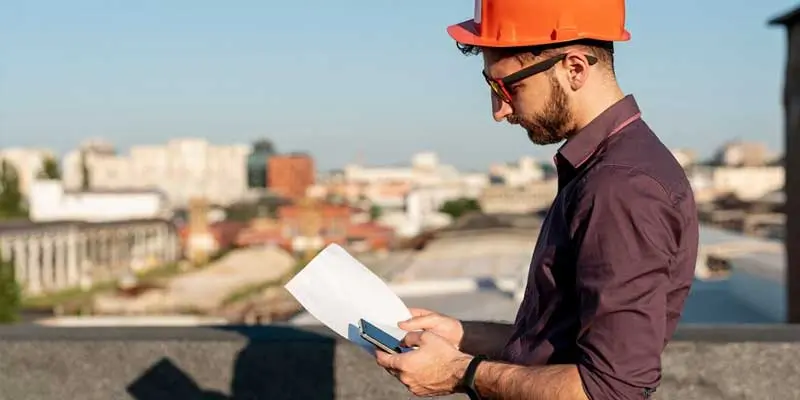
468	381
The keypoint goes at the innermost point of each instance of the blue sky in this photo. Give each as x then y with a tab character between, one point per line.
341	78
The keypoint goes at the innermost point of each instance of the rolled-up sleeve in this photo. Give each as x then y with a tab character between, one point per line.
624	229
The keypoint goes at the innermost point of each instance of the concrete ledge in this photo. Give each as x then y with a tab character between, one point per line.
283	362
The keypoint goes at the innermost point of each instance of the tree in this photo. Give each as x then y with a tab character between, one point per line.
49	169
12	204
459	207
375	212
9	293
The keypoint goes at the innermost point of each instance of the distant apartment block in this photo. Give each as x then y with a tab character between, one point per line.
290	175
182	169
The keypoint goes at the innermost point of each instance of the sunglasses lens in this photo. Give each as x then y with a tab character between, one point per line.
498	91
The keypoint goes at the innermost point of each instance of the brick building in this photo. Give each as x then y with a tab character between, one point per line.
290	175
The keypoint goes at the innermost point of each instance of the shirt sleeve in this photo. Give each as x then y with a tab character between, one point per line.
624	229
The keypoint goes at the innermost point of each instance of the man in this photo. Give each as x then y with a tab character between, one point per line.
615	257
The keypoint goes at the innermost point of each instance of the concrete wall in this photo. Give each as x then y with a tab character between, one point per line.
285	363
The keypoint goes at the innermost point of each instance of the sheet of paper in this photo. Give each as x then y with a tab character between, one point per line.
339	290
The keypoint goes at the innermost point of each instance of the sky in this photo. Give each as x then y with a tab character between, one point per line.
354	80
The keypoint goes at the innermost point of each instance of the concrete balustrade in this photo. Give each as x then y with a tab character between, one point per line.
281	362
49	257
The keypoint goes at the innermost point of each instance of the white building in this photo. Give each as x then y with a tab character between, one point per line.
28	162
425	170
739	153
525	171
746	183
48	202
535	196
684	157
182	169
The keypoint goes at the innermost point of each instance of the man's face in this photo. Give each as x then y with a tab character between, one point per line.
538	103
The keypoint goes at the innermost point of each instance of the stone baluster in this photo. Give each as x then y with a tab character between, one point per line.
34	265
61	261
20	262
163	243
48	277
73	249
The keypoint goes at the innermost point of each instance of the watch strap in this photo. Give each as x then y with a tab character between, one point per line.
468	381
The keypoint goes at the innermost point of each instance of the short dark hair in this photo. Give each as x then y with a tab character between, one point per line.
604	51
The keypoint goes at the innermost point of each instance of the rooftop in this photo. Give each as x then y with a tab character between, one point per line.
281	363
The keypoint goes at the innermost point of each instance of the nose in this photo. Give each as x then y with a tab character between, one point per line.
500	109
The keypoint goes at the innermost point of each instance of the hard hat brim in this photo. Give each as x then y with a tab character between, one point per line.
467	33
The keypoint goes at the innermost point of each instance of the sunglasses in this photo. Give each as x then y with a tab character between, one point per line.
500	87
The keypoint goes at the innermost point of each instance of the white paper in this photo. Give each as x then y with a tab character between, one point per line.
338	290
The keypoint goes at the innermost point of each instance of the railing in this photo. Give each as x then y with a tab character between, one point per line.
281	362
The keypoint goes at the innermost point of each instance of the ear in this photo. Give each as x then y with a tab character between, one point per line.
576	65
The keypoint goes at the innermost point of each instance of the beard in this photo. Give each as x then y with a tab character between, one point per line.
553	124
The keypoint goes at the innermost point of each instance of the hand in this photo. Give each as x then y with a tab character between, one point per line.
434	368
425	320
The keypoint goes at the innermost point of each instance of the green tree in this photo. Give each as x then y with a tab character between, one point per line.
85	182
458	207
10	301
49	169
12	203
375	212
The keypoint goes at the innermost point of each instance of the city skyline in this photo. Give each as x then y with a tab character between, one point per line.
146	73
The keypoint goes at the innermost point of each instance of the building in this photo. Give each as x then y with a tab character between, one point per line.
685	157
525	171
746	183
791	105
290	175
257	164
48	202
389	186
28	164
182	169
532	197
425	170
55	256
313	225
739	153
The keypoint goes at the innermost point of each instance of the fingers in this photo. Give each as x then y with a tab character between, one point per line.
428	321
413	339
386	360
419	312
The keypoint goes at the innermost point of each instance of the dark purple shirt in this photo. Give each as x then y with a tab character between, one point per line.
614	260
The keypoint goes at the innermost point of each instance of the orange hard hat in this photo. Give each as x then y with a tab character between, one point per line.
516	23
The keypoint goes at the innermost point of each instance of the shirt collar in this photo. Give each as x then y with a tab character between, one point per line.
584	143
